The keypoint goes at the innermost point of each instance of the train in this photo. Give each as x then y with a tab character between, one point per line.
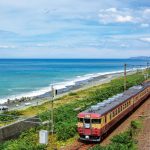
96	121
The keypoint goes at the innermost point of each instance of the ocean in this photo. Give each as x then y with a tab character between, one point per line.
31	77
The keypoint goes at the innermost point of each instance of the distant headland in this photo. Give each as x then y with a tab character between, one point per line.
141	57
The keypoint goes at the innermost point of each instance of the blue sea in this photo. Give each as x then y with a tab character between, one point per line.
30	77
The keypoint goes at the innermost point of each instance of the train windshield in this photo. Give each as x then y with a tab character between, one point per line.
96	121
80	119
86	120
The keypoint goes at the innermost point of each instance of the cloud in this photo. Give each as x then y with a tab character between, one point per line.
125	15
124	19
7	46
144	25
113	15
145	39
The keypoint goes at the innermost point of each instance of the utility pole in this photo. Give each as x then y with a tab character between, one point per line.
147	66
52	113
125	77
147	69
53	94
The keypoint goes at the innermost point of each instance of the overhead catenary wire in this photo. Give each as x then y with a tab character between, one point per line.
130	66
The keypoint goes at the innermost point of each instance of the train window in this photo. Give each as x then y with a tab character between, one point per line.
113	114
96	121
116	112
80	119
87	120
119	110
110	116
123	106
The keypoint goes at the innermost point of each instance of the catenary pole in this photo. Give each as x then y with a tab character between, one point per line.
52	112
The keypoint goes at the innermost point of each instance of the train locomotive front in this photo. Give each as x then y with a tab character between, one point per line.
89	126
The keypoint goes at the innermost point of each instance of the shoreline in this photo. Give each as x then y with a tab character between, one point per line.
98	79
20	104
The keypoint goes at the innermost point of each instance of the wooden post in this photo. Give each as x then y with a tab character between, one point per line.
52	117
125	77
52	114
147	66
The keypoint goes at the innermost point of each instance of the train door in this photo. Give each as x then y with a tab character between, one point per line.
87	126
104	120
107	121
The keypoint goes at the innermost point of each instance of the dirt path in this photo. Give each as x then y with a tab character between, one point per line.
144	136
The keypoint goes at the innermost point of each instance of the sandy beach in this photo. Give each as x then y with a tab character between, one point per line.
24	103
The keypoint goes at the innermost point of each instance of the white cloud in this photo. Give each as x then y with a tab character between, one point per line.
7	46
114	15
144	25
123	15
147	11
146	39
111	10
124	19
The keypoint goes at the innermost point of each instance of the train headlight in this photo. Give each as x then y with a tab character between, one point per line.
87	137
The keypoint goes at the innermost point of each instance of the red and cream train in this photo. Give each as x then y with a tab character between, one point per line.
94	122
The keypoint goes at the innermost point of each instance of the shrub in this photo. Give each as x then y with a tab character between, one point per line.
26	141
136	124
9	115
72	94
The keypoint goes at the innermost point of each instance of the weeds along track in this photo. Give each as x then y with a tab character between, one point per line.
79	146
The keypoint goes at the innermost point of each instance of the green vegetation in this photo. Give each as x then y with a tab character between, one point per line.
72	94
66	114
123	141
9	116
26	141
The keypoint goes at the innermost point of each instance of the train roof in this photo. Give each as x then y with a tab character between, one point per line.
107	105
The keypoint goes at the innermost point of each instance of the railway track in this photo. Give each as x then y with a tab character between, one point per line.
121	128
79	146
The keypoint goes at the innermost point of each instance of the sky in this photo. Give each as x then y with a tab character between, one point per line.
74	28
